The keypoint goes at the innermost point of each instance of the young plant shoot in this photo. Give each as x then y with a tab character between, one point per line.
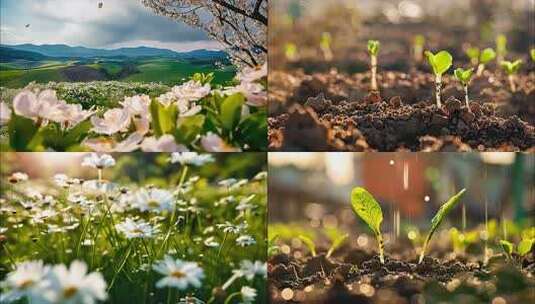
367	208
441	62
511	68
485	57
464	77
325	45
373	50
418	47
501	47
437	219
473	54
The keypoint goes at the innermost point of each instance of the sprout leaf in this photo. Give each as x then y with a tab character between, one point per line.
309	243
507	247
440	62
525	246
437	219
463	76
532	53
337	243
487	55
472	52
367	208
373	47
511	67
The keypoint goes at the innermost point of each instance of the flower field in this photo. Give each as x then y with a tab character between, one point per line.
113	117
187	228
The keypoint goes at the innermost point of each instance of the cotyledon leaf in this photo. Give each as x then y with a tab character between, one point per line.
367	208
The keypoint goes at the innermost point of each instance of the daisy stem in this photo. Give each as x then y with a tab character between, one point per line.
232	295
99	175
222	244
121	265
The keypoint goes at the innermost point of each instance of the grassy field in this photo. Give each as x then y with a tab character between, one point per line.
166	71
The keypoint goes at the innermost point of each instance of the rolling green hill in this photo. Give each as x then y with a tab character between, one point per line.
17	74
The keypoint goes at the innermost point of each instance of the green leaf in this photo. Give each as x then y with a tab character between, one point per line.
532	53
437	219
309	243
511	67
231	111
252	131
336	244
440	62
373	47
487	55
507	247
367	208
188	128
77	133
155	116
472	52
163	117
524	247
21	131
463	76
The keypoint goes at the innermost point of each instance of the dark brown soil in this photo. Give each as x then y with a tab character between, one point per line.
349	280
336	112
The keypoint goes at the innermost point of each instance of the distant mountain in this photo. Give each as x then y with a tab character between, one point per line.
65	51
7	54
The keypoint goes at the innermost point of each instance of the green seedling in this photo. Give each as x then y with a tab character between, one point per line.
437	219
523	248
309	243
336	243
367	208
290	51
532	53
473	54
441	62
373	50
511	68
325	45
418	47
501	48
485	57
464	77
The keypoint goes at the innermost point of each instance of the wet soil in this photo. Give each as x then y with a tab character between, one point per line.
334	111
359	277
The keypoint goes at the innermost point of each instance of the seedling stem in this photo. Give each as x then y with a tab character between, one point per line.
373	49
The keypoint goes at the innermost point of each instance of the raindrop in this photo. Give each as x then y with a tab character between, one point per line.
427	198
391	162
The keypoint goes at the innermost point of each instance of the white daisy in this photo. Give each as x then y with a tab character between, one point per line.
74	285
245	240
248	294
25	280
191	158
249	270
100	162
136	229
178	273
154	199
18	177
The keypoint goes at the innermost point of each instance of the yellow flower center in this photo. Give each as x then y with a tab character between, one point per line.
69	292
177	274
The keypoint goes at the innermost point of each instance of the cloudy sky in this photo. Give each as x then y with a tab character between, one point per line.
119	23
